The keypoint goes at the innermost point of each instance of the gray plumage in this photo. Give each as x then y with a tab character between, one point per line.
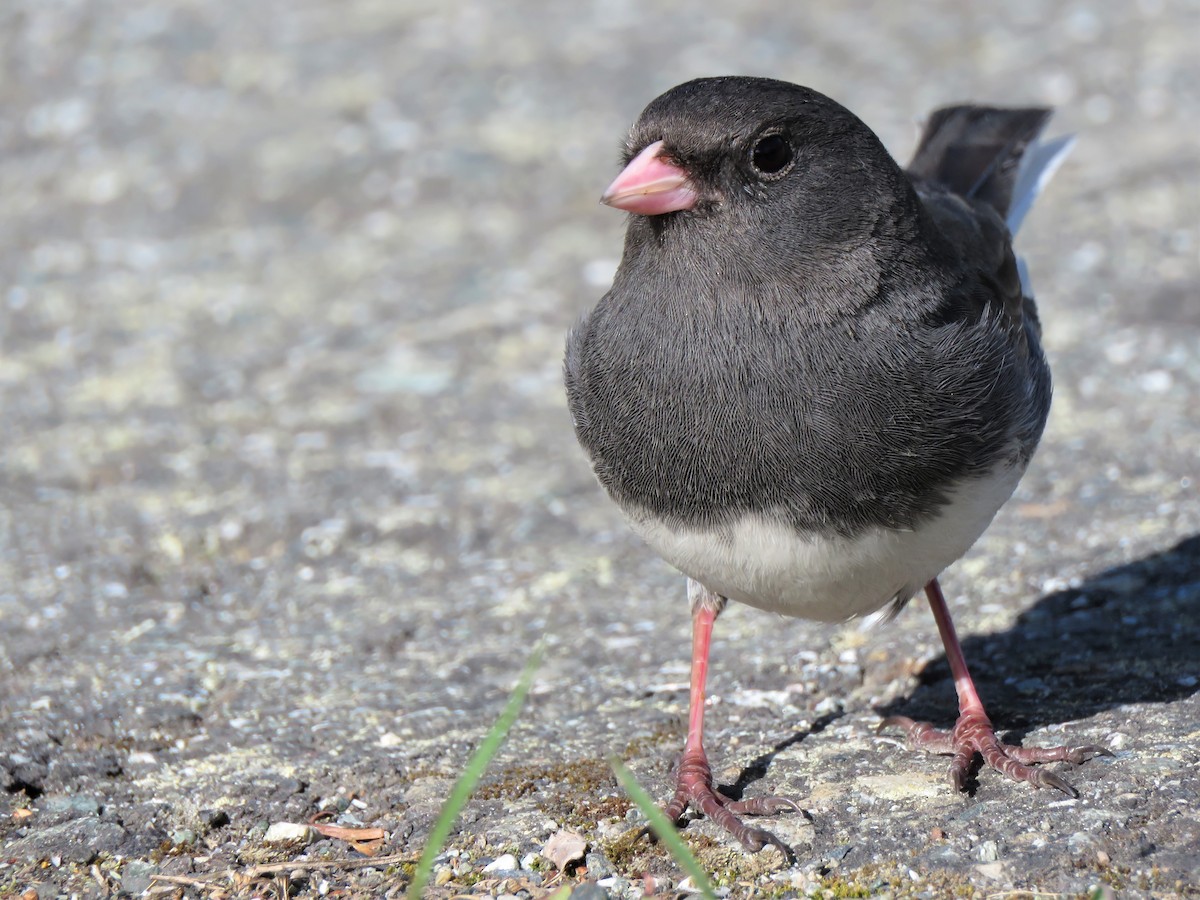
838	343
817	376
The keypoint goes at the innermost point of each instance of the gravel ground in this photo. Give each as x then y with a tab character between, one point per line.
288	488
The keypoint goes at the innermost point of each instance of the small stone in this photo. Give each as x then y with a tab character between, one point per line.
828	706
1116	740
598	865
505	863
988	851
288	833
136	876
992	870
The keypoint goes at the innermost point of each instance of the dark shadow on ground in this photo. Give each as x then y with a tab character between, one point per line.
757	768
1128	635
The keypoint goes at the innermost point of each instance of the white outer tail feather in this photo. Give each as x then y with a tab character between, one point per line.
1038	165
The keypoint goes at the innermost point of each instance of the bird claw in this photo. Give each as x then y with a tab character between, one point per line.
694	789
1042	778
761	806
1080	755
973	734
756	839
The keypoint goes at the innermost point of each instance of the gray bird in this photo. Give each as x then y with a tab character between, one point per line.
817	376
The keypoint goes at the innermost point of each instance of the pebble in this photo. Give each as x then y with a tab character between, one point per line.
988	851
136	876
289	832
505	863
598	865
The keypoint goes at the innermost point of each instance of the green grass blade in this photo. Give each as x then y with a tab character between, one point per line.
474	771
663	829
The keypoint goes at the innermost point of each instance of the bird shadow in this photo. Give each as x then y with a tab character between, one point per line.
1130	634
757	767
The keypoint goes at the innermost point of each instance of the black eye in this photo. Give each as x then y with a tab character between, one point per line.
771	154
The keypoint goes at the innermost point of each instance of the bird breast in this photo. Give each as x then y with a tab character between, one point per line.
764	561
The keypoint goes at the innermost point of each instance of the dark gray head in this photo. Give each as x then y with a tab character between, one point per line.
754	154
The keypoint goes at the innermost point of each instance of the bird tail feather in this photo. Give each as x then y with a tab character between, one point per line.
990	154
1038	165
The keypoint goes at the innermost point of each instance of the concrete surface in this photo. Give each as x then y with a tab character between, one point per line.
288	488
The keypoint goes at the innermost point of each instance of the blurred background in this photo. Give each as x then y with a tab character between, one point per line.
287	483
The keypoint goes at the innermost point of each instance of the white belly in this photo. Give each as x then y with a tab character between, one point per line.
760	560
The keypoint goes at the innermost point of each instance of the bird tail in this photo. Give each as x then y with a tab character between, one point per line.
990	154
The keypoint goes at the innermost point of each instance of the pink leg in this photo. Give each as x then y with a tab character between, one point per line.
694	786
973	732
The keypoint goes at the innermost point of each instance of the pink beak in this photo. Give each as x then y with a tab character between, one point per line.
651	186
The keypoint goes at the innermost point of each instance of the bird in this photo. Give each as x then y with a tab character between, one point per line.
817	375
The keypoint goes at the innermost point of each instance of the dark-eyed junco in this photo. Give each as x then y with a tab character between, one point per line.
817	376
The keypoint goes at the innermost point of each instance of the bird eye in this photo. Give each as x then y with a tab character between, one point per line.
771	154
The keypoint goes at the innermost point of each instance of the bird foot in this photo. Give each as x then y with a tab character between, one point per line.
694	788
973	733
